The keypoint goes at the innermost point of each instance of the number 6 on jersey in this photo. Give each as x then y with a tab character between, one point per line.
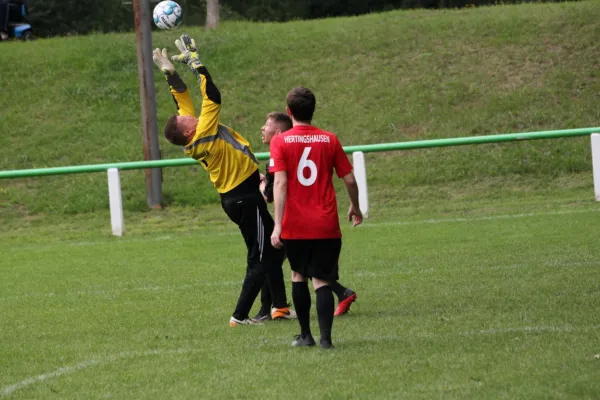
306	163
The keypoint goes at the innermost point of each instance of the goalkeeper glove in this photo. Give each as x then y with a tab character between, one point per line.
162	61
189	54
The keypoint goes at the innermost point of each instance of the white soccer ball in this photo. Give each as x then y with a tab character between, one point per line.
167	15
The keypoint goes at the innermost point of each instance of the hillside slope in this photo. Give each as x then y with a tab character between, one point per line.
396	76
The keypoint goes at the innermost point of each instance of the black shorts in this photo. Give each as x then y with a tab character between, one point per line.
314	258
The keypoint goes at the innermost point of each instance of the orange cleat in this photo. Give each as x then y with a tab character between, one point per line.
283	313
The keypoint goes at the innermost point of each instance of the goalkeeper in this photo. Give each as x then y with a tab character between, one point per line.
233	170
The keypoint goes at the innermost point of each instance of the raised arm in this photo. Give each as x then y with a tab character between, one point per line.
208	122
179	91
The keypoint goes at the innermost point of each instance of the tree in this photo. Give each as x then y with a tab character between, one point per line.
212	14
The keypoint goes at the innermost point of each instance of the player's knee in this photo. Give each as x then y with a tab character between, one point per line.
319	283
296	277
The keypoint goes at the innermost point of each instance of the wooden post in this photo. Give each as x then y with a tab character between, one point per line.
212	14
143	34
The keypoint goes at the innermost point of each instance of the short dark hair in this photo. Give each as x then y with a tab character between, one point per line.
301	102
282	119
172	132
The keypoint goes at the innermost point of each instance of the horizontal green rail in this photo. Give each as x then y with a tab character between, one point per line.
420	144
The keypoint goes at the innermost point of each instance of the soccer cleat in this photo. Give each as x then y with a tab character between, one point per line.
303	341
326	345
262	316
239	322
283	313
345	304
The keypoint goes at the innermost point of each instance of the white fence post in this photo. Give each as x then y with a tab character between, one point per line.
596	163
360	173
116	204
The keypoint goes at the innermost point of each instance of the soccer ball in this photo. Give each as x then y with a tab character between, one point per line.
167	15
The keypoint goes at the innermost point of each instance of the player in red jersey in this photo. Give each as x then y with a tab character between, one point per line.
306	220
276	123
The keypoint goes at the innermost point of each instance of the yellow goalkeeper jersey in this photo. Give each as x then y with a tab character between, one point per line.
223	152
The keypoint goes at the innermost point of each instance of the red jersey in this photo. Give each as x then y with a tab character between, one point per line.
309	155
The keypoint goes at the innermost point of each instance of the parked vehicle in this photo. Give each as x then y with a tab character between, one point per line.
12	20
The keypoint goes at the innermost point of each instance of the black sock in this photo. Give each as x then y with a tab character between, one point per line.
325	308
337	289
302	302
265	299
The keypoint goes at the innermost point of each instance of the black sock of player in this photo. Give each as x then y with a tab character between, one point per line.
325	307
338	290
265	299
302	303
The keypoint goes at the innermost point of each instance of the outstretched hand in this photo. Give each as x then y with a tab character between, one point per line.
189	54
161	59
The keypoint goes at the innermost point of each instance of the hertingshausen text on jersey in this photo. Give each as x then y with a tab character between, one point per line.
306	139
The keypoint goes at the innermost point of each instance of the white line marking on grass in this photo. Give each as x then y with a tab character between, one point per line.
492	331
487	218
7	390
84	243
564	263
122	241
366	224
118	292
402	269
533	329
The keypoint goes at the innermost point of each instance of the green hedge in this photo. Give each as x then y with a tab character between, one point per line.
66	17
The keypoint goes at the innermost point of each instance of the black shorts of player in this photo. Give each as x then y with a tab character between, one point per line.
314	258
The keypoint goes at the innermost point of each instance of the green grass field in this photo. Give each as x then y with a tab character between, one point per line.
499	300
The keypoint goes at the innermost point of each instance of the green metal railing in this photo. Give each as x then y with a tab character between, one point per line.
420	144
